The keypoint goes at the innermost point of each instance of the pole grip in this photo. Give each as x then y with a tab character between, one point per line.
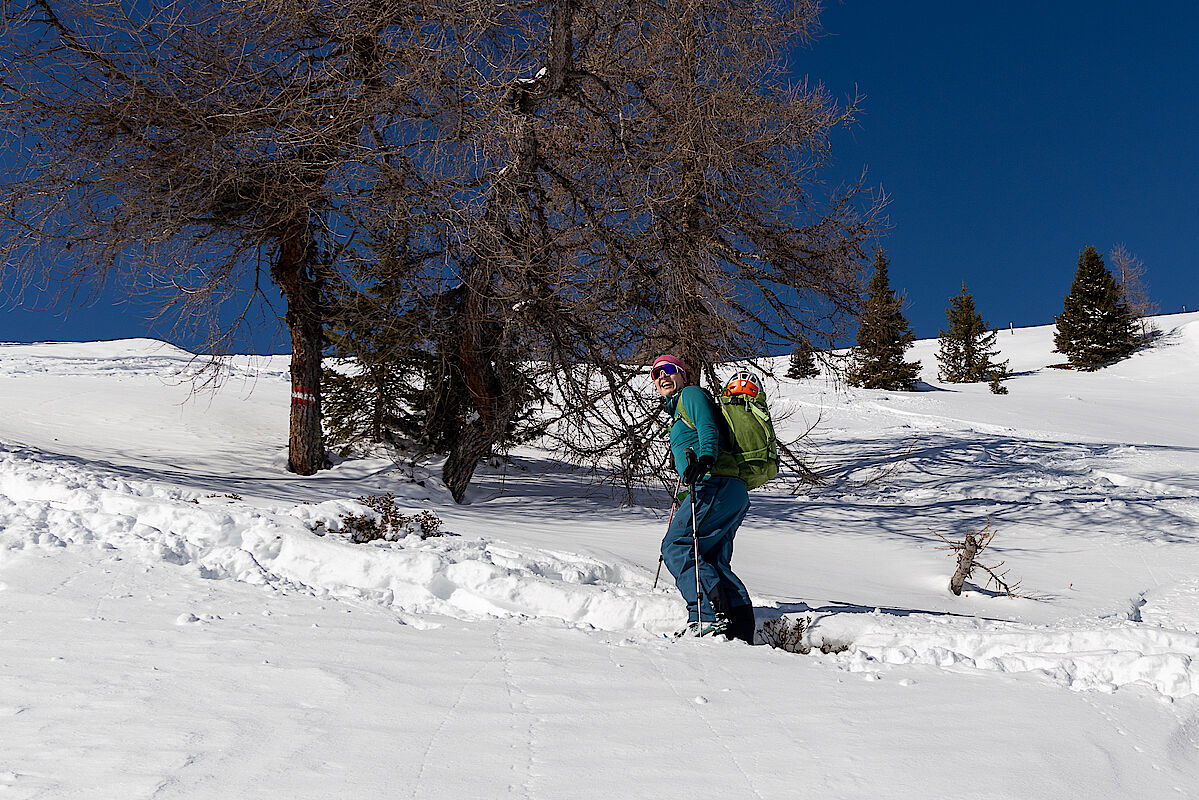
690	463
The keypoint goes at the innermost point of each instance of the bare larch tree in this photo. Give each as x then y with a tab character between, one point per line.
587	182
648	182
200	146
1129	271
704	199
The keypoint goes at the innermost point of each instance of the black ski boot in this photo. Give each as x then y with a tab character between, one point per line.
742	624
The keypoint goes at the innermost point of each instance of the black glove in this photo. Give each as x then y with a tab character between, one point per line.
697	469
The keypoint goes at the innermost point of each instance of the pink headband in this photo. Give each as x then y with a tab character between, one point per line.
669	359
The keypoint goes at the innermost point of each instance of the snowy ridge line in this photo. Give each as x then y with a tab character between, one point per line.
131	357
46	503
170	369
1096	657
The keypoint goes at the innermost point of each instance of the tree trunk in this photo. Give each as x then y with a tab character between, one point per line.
305	441
488	363
486	350
470	446
379	401
293	275
966	554
495	409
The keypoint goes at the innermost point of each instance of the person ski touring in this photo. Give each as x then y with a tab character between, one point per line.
698	545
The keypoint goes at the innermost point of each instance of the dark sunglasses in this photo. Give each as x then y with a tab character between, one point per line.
665	369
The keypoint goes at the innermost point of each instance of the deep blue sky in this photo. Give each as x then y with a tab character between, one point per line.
1011	135
1008	136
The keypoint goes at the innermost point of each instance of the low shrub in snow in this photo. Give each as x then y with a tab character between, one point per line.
388	522
791	635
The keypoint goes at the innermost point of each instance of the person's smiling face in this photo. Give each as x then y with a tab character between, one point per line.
669	384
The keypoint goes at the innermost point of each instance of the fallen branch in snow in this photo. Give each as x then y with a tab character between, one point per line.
968	550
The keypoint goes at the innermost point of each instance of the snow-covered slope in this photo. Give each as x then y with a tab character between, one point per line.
172	623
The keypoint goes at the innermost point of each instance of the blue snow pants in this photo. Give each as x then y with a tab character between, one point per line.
720	506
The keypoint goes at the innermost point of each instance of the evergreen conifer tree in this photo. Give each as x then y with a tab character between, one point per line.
883	337
402	383
1095	327
397	384
366	331
803	362
966	347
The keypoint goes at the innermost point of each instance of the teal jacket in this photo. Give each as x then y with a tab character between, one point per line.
707	438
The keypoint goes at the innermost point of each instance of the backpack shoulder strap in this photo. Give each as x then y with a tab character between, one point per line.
681	413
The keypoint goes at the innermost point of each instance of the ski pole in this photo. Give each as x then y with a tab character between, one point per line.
674	506
699	609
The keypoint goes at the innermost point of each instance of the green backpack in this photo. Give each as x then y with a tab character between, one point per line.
753	454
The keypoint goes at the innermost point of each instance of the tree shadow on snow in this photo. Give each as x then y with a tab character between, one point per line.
767	613
945	483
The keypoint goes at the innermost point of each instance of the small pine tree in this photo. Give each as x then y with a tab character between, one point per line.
405	384
361	400
803	362
400	385
967	346
1095	327
883	337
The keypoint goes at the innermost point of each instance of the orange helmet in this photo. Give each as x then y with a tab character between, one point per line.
744	382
